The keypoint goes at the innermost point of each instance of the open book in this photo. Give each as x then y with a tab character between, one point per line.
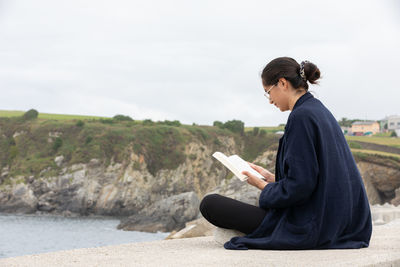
236	165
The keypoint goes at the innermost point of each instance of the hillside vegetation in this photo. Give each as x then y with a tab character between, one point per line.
380	140
29	142
29	145
49	116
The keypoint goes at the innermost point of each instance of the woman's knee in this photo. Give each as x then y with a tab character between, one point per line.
207	202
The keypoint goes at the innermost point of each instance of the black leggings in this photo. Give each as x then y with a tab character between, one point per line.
229	213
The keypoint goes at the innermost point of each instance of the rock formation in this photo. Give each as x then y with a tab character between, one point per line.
164	215
381	181
117	189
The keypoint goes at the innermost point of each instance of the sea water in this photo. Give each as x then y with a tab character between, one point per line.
32	234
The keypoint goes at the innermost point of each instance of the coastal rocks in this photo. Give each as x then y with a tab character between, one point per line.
21	200
119	189
384	179
396	200
59	194
195	228
39	187
372	193
59	160
59	200
165	215
107	199
3	174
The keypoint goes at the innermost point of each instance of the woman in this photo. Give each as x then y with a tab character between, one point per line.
316	199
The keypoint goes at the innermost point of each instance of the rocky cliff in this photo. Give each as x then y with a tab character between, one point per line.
114	189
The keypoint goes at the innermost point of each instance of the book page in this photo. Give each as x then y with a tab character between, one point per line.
227	163
242	165
236	165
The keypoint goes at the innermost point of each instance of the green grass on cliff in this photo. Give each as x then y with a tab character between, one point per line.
271	129
50	116
375	152
29	146
380	140
379	159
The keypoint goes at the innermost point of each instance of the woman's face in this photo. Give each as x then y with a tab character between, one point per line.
278	95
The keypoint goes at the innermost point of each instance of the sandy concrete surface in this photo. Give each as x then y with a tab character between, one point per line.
384	250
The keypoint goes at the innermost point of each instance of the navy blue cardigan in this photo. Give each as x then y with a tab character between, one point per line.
318	200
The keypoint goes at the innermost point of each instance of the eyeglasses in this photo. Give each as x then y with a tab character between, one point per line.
266	94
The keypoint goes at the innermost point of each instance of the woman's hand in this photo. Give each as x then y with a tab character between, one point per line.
254	180
257	182
270	177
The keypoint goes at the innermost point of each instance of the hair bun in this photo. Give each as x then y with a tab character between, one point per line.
288	68
311	71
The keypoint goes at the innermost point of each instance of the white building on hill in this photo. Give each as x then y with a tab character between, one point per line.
391	123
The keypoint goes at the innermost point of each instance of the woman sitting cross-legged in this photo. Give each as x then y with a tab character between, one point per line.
316	199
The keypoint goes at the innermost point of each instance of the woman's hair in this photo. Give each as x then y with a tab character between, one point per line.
288	68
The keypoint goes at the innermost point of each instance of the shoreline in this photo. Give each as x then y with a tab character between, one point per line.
384	250
66	215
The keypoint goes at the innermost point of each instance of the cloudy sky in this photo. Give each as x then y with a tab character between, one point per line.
195	61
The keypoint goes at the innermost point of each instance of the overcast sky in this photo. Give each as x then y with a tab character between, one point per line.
195	61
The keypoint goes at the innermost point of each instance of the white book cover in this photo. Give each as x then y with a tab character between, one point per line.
236	165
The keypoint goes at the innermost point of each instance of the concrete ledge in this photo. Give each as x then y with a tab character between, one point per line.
384	250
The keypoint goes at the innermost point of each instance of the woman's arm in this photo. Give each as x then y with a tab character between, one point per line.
300	166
